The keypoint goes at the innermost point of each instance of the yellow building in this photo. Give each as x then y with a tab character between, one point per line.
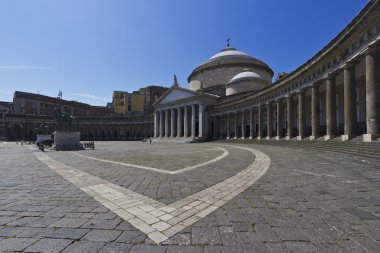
118	102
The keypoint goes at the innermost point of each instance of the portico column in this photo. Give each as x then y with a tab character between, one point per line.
301	115
372	90
243	124
289	117
172	125
215	128
228	126
201	115
193	121
186	122
236	125
349	103
220	126
260	133
315	112
269	122
155	124
179	123
330	107
280	120
161	124
166	123
251	124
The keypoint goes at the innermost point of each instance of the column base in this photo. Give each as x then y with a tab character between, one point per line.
299	138
278	138
370	137
259	137
346	137
268	138
235	138
242	138
227	138
312	137
250	137
288	138
328	137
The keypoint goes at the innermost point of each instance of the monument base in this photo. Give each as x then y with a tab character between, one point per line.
67	141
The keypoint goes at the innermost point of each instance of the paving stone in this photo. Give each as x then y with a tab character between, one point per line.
116	248
30	232
15	244
184	249
147	249
69	233
11	231
208	236
133	237
69	223
102	235
49	245
103	224
84	247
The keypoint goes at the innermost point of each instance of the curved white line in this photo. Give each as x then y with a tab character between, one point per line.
225	153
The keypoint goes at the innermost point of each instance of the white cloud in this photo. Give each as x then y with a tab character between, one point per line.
22	67
90	96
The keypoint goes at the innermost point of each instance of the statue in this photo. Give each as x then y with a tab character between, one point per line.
228	42
175	81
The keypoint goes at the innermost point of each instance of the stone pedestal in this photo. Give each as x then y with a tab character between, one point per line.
67	141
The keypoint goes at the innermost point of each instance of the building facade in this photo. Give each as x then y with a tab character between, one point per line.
138	102
335	94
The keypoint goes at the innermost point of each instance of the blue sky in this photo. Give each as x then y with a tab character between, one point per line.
89	48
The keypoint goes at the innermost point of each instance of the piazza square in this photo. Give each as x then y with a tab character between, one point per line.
236	159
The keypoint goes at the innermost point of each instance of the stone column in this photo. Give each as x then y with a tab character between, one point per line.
260	133
315	112
192	121
251	124
228	126
220	126
166	123
215	128
172	125
236	125
243	124
161	124
330	107
155	124
186	122
201	125
289	117
372	90
269	122
349	103
301	115
280	120
179	123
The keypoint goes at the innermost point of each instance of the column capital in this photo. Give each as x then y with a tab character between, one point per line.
372	49
331	75
351	64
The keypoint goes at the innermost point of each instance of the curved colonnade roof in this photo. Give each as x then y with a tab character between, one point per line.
337	41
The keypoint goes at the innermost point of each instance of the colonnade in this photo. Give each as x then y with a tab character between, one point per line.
287	117
182	121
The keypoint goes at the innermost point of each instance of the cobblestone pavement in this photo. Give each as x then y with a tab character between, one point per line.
305	202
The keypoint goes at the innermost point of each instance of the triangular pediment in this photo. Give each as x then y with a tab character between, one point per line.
175	94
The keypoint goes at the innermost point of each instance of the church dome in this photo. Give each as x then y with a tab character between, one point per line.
245	82
216	72
247	75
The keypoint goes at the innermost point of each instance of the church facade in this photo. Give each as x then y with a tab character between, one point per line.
335	94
